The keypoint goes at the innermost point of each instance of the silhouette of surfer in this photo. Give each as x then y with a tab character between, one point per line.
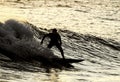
55	40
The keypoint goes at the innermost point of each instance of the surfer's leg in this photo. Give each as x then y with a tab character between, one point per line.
61	50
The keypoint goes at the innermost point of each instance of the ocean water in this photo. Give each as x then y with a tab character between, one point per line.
88	31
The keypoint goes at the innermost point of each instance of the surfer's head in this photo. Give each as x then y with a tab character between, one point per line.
54	30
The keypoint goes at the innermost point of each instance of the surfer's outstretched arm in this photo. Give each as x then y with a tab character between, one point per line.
43	38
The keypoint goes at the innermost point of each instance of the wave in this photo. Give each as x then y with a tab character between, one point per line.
21	41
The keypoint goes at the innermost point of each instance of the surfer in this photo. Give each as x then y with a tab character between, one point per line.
55	40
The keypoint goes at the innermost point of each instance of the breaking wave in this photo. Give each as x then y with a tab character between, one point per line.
20	41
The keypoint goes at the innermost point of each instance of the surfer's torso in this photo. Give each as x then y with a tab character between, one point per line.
54	37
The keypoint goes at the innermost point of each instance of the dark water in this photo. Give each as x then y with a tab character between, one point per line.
101	55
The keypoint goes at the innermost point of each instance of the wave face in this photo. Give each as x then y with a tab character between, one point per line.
102	56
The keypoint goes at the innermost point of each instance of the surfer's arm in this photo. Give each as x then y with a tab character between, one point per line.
43	38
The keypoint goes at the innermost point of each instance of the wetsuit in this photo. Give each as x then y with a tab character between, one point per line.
55	40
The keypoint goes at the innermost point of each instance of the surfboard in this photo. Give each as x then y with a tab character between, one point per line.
66	62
